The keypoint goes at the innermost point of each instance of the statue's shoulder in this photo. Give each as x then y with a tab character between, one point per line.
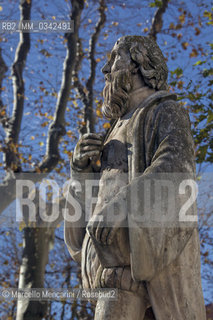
154	103
158	102
162	107
158	98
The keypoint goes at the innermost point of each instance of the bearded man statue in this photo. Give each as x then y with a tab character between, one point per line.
142	237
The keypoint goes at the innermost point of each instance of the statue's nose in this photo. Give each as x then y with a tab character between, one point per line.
106	68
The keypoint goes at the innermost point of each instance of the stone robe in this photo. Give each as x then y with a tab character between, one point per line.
165	256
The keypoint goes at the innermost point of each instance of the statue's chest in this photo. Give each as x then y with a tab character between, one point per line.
115	150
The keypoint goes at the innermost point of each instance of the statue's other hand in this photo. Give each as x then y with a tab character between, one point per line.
89	147
99	231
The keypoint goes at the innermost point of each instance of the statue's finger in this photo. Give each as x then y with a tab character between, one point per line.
91	142
93	136
89	154
91	148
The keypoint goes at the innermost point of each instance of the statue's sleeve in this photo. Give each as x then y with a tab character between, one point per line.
163	215
168	140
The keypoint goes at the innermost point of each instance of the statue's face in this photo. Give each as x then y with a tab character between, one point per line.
118	77
119	59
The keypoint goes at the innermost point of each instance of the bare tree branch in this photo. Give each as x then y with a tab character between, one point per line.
93	41
14	124
86	92
76	82
88	110
3	70
57	127
157	22
56	130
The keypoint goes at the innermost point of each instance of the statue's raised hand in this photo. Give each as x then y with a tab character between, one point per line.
88	149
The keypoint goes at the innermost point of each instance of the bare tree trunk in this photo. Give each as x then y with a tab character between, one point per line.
37	240
36	243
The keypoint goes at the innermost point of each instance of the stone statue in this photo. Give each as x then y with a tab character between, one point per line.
155	267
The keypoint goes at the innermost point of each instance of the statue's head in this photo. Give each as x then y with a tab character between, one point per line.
131	55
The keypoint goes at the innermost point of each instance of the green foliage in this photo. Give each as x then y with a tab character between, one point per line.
178	72
156	3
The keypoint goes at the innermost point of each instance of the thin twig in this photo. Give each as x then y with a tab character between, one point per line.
157	22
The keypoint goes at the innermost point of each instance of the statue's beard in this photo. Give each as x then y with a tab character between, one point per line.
116	94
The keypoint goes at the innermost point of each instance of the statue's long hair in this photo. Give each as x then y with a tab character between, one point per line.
145	52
